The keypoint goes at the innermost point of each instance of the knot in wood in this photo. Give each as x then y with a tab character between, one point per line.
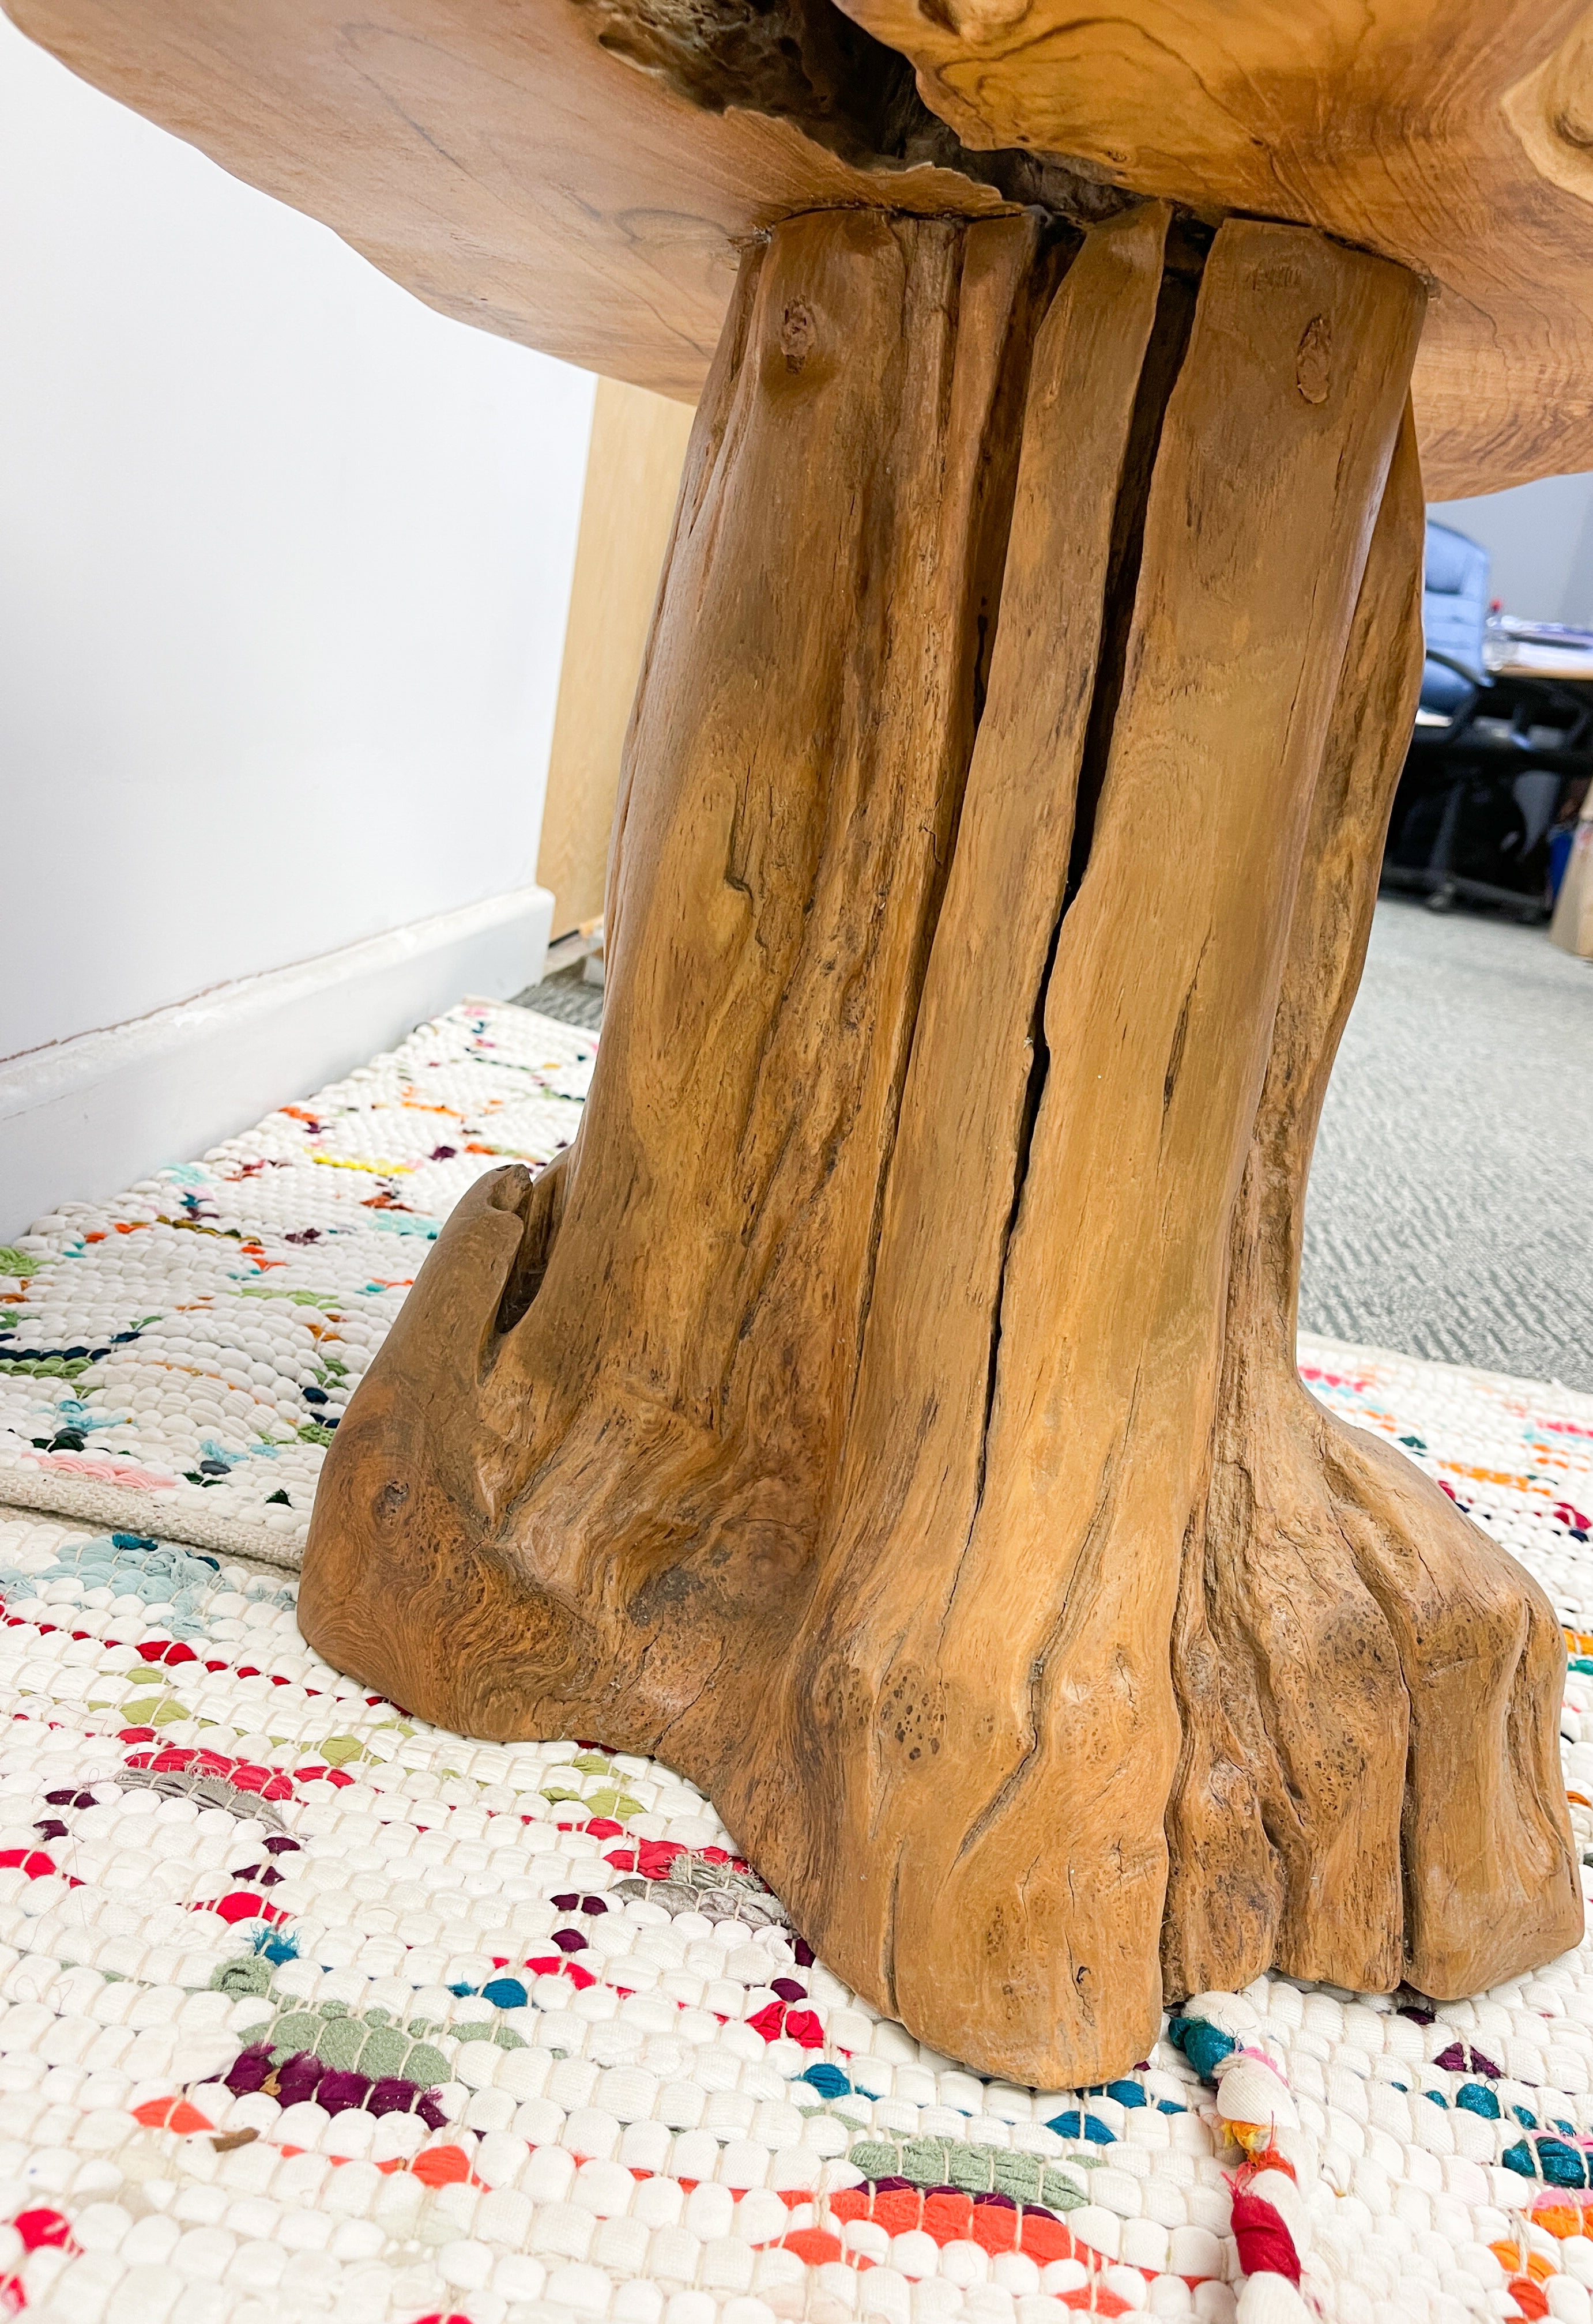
1312	361
796	334
980	23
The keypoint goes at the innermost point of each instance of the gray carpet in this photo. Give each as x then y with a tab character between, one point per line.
1451	1199
567	997
1453	1196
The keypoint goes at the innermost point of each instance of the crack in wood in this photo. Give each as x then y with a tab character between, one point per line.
807	62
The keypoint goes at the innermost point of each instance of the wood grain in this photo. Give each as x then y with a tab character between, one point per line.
1029	1913
876	1664
1383	122
656	1436
496	160
627	511
885	1412
1351	1652
515	173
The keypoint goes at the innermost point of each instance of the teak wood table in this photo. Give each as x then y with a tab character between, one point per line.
886	1411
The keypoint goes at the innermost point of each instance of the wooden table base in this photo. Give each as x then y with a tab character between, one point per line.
886	1412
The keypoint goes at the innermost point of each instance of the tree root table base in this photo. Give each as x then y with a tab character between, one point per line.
886	1413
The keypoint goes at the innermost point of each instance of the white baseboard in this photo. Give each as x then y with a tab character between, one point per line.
84	1118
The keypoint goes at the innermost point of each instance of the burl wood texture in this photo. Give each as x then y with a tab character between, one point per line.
512	171
885	1411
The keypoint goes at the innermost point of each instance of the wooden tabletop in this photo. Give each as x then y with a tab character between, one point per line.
566	173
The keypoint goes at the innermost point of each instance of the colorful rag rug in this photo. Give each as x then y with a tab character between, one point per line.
307	2008
177	1360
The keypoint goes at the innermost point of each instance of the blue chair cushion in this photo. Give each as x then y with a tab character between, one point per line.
1442	690
1455	595
1454	609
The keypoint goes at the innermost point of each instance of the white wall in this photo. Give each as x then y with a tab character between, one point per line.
284	559
1541	539
284	563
